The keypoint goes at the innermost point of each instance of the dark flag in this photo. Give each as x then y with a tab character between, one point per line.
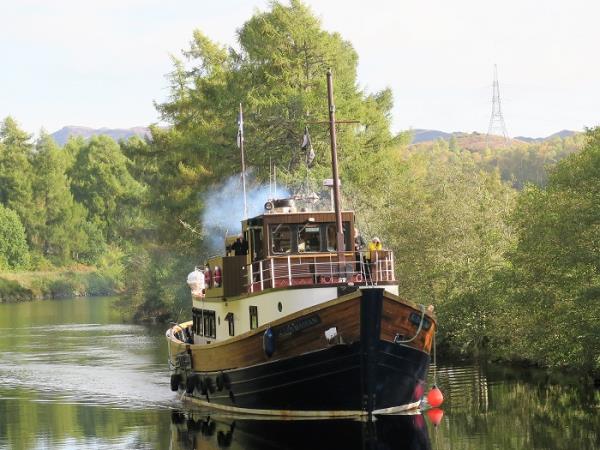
307	146
240	134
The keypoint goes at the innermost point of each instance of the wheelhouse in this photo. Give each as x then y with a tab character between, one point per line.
287	249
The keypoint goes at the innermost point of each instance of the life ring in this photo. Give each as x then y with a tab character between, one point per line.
217	276
358	277
207	276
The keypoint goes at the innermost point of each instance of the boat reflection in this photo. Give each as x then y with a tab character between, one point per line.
199	430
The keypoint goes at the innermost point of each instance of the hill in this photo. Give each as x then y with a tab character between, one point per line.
476	141
421	135
62	136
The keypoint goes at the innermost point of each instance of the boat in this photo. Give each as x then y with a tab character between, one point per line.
292	321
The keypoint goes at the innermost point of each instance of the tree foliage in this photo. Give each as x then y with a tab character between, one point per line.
278	75
14	253
57	231
102	183
556	278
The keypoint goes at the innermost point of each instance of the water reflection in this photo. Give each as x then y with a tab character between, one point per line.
499	407
200	431
79	350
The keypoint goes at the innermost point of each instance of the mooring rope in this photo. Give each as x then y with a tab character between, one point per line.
398	341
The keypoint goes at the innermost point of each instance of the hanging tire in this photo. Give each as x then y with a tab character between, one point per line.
190	384
200	386
226	381
220	382
210	385
175	381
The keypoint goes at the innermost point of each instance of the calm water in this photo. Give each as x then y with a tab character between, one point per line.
72	376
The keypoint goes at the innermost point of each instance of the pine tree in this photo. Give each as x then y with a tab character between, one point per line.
16	173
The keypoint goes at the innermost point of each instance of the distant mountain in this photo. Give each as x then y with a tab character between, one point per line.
528	139
62	136
424	135
421	135
561	134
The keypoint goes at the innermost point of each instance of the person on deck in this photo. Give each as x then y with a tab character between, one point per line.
240	246
359	244
371	256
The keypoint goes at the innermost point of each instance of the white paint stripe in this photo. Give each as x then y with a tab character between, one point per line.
298	413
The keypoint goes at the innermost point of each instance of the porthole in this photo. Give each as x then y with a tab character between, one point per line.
279	307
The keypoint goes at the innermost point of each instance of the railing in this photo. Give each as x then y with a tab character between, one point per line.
319	269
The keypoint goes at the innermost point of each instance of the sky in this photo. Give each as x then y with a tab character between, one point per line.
103	63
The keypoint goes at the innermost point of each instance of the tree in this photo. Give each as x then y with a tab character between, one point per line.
16	172
57	231
14	253
556	280
102	183
278	74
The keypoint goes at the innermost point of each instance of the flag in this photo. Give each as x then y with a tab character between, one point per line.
240	134
307	145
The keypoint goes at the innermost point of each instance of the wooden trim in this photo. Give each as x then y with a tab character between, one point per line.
261	329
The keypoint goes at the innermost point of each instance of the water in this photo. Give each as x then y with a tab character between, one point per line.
73	376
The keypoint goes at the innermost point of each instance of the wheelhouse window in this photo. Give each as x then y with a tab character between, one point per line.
331	234
331	237
253	317
309	238
257	244
281	239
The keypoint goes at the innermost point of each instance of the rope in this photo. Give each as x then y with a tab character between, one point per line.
434	360
398	341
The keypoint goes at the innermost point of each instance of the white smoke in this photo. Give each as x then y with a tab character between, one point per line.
224	208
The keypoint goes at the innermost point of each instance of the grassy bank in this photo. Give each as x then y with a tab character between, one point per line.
72	282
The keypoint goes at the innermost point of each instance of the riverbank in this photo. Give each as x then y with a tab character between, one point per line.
65	283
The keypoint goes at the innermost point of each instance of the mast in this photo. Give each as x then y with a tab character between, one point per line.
241	146
336	187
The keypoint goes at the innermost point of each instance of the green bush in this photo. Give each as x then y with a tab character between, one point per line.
14	253
12	291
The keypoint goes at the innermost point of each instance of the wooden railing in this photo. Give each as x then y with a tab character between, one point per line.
319	269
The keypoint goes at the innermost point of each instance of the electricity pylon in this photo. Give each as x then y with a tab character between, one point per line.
497	125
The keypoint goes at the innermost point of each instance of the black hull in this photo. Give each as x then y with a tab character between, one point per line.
371	375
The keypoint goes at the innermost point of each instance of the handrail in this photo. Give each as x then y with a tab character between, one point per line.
318	269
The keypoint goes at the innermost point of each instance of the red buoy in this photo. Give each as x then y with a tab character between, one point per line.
435	415
435	397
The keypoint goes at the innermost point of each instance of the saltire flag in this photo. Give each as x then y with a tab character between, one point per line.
307	146
240	134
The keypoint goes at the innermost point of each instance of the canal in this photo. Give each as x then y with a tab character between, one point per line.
74	376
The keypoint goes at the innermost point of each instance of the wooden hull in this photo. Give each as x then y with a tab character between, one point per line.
359	371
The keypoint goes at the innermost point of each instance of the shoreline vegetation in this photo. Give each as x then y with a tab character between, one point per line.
53	284
502	239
